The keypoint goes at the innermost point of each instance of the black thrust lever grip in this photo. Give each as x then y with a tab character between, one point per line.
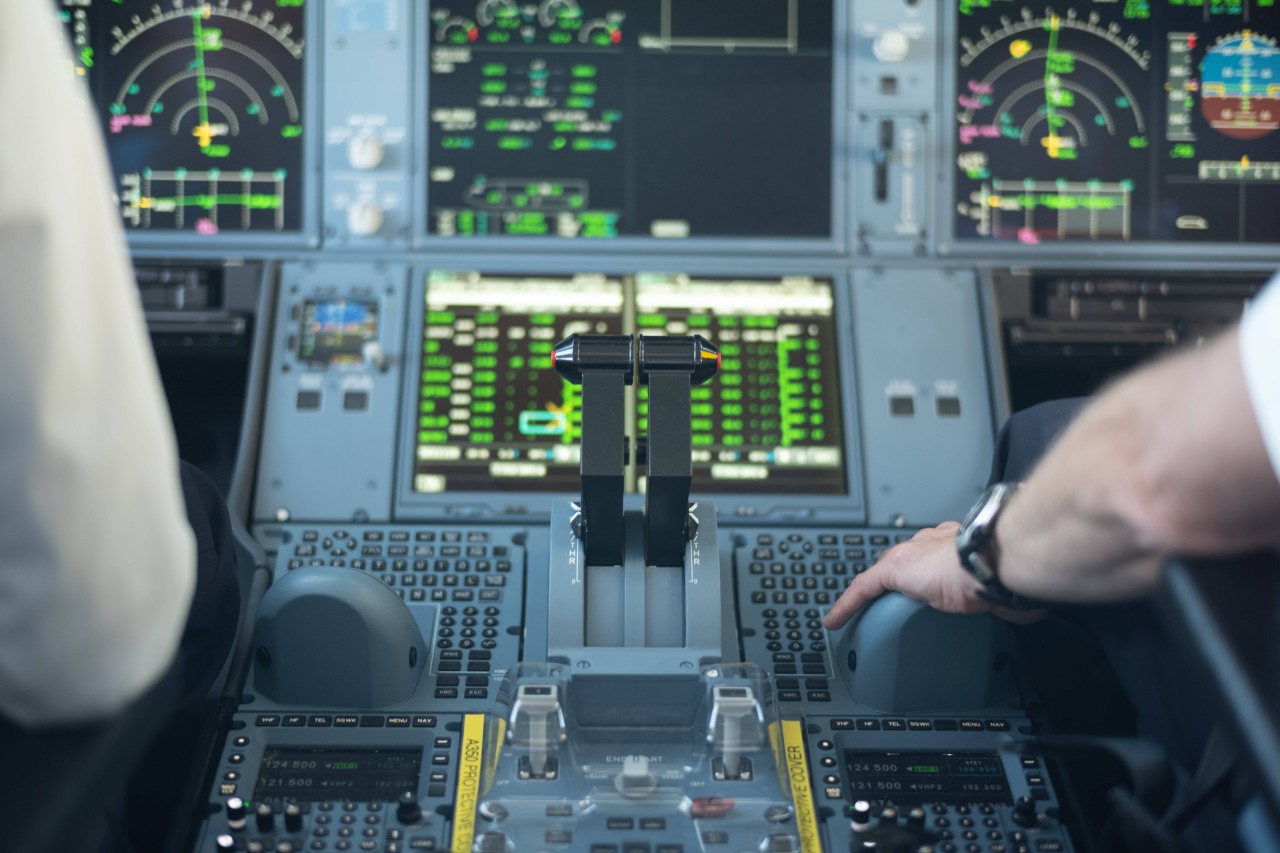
579	354
670	366
691	354
603	365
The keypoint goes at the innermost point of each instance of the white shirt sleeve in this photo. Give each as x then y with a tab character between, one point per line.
1260	358
97	562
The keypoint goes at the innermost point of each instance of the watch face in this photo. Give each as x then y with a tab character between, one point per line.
971	516
976	529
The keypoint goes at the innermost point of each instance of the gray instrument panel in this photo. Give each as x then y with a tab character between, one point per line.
1005	130
847	187
339	437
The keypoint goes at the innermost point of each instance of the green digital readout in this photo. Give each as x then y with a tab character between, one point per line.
907	779
492	414
600	119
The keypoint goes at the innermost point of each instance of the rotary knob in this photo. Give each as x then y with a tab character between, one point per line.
407	808
891	46
364	218
373	353
236	813
265	818
293	818
365	152
860	816
1024	812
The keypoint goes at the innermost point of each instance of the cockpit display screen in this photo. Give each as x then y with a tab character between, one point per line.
598	119
334	331
1131	121
203	109
493	414
770	421
306	775
916	778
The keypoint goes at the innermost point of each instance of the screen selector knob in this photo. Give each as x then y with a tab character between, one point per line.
891	46
407	808
365	152
1024	812
374	354
364	218
236	813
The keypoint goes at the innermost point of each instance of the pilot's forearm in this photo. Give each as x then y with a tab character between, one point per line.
1169	460
97	561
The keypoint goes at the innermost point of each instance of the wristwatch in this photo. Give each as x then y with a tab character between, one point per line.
979	549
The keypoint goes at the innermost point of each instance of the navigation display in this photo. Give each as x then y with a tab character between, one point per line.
492	413
1113	121
202	109
602	119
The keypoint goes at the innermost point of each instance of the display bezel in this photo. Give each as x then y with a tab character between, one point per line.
308	233
848	506
1077	251
834	243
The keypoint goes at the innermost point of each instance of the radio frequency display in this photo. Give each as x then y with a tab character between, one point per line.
305	775
915	778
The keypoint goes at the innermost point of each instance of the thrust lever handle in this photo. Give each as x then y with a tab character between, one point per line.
602	365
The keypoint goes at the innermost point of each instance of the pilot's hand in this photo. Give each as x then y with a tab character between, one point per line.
926	568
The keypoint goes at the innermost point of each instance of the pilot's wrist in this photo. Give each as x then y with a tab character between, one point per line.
982	552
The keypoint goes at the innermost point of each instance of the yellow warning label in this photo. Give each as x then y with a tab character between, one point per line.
496	740
470	766
801	795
